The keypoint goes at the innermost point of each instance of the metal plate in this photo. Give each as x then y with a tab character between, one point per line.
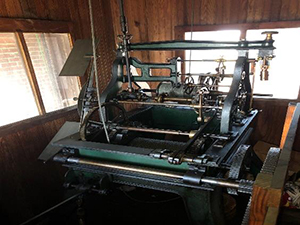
79	58
66	130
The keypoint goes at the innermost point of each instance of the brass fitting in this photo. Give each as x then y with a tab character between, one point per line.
269	35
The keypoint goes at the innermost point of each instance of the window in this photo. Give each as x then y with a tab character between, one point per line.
284	78
17	99
196	67
29	68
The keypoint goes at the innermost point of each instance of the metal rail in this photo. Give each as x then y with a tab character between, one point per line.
169	104
236	184
203	75
158	131
201	45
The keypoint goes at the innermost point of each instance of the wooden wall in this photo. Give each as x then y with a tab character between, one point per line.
27	186
155	20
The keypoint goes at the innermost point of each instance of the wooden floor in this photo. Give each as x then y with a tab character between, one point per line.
138	206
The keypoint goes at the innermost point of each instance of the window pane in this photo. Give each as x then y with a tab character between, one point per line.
283	77
48	53
210	67
16	99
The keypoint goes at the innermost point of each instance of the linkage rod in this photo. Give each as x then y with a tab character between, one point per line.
170	104
125	41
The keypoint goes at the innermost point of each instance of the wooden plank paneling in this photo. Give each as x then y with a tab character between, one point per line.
284	11
267	10
26	179
293	9
275	10
208	11
13	8
30	25
269	123
3	10
219	11
251	11
298	15
258	10
226	11
155	20
28	9
243	11
235	11
42	10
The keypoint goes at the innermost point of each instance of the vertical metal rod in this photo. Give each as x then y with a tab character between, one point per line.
96	72
252	88
125	43
192	27
199	119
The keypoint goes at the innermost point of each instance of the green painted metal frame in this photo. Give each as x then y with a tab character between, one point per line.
146	68
201	45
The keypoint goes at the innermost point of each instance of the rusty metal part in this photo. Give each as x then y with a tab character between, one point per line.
162	99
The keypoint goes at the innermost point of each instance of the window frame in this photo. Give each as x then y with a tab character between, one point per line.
243	27
21	26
